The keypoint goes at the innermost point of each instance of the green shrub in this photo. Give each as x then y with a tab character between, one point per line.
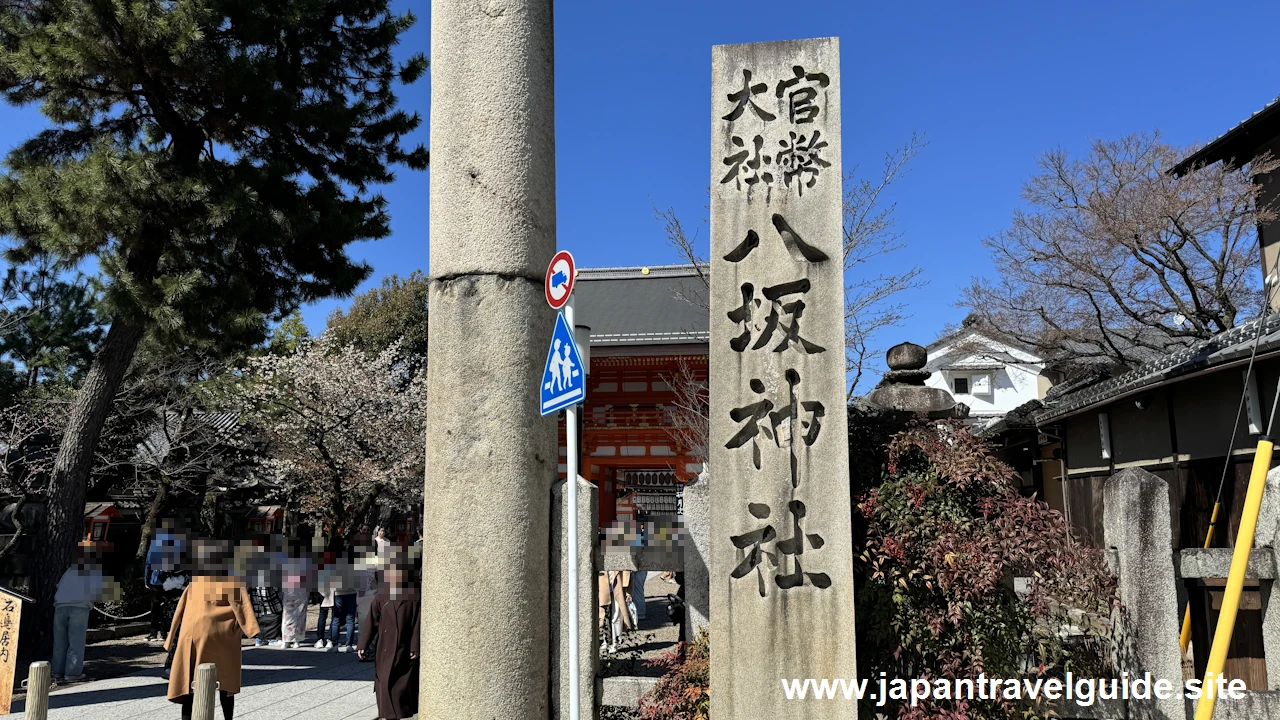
946	534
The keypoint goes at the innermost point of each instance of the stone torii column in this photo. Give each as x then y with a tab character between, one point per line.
490	456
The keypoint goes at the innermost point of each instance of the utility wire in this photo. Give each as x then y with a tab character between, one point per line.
1184	640
1244	394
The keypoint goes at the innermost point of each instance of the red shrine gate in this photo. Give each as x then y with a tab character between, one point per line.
631	447
649	329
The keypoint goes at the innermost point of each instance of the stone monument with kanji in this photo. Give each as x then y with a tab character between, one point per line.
781	554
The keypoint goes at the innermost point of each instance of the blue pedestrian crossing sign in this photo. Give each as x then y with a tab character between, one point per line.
564	381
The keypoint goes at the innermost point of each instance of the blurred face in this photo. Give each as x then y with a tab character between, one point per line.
397	579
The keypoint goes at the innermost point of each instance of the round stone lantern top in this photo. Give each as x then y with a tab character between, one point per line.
906	356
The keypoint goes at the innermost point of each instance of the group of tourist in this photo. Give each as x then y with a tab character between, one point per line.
208	594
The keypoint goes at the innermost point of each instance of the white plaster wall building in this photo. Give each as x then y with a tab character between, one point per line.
989	376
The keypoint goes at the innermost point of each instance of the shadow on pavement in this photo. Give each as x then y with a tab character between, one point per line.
258	668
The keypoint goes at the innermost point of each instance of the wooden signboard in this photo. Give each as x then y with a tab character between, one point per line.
10	621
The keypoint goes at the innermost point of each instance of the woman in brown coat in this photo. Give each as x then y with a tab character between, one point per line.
212	615
394	619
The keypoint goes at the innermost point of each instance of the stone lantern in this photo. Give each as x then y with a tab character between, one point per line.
902	390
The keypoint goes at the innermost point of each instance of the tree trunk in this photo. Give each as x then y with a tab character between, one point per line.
64	525
366	508
337	503
153	512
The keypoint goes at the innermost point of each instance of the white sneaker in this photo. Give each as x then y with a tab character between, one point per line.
343	648
328	644
319	645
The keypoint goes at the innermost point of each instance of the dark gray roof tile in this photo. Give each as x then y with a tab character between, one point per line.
666	305
1234	344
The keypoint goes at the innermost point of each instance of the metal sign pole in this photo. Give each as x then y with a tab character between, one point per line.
571	441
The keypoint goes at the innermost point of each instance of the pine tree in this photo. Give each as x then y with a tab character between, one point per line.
49	325
215	157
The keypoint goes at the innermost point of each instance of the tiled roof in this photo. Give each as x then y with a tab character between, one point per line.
663	305
155	447
1236	143
1021	417
1234	344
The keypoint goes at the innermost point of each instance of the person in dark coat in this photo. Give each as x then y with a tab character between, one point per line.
394	620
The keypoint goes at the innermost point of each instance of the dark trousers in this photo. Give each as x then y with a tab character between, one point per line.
228	705
157	609
322	626
344	608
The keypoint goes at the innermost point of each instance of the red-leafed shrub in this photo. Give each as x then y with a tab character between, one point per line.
683	693
946	534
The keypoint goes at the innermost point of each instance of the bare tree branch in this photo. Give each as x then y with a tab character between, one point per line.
1115	258
690	426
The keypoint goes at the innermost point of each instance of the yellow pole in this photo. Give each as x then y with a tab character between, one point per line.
1235	579
1185	639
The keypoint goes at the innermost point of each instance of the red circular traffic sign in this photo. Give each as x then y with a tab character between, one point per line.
559	282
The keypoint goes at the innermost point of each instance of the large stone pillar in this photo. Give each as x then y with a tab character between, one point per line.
1136	526
781	555
491	457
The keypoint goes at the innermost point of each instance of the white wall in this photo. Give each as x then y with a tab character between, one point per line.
1011	386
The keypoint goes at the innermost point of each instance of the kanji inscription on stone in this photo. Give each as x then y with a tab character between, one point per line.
783	149
781	555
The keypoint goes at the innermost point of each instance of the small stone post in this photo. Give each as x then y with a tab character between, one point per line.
1136	526
205	692
1267	535
697	553
490	456
38	678
781	552
588	605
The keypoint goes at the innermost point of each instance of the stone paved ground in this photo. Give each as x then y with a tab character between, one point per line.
109	659
654	636
304	684
277	685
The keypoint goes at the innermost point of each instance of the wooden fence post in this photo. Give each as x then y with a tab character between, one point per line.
38	678
205	691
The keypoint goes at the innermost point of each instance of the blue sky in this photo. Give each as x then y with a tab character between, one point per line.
991	84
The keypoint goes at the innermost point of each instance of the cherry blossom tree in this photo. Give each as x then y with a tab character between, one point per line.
342	429
29	433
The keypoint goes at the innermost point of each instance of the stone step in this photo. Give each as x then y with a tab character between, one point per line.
624	690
